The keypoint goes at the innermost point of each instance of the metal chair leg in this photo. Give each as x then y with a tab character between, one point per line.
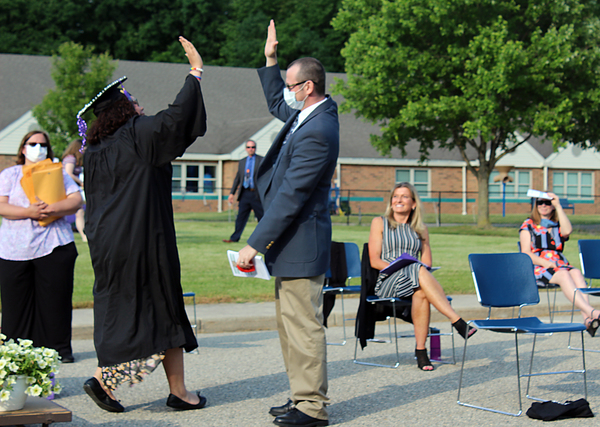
195	325
484	408
343	322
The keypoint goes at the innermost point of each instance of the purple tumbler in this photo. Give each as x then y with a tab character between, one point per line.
435	344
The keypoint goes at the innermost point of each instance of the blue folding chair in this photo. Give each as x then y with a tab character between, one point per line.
550	286
507	280
353	267
589	257
195	324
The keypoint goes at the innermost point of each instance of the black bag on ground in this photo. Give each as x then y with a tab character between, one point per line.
550	411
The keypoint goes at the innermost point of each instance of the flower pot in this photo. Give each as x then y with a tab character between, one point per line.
17	397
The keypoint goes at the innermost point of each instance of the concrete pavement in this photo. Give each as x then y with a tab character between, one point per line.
240	370
242	375
237	317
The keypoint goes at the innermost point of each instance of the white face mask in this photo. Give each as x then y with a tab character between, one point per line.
290	98
36	153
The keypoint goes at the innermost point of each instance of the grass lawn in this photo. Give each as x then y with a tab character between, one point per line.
205	270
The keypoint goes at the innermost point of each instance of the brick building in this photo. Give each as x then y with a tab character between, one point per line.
237	112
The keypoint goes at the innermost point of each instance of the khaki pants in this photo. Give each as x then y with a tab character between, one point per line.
299	306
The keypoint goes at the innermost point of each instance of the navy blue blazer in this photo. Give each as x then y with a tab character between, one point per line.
293	183
239	176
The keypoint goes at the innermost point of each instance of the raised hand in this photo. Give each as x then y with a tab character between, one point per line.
271	45
191	52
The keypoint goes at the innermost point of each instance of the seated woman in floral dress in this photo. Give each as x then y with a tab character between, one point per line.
542	237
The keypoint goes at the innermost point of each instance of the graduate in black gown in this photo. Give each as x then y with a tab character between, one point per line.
139	315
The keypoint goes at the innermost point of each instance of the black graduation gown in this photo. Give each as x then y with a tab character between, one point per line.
138	301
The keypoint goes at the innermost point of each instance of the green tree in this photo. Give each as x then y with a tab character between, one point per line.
79	75
477	75
39	26
148	30
303	29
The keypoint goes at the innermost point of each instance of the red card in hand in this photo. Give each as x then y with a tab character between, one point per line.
246	270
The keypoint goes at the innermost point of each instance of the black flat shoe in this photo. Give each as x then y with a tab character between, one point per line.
282	410
93	388
297	418
181	405
67	359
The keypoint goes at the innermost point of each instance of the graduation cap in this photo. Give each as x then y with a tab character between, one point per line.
104	99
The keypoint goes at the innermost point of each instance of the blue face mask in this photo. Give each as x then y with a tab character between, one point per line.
290	98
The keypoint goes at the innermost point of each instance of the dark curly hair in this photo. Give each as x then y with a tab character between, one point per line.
110	120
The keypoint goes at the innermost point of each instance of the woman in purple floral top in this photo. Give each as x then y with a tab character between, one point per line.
542	237
36	262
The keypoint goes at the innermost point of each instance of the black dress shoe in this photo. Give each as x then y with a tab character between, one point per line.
176	403
282	410
93	388
67	359
298	418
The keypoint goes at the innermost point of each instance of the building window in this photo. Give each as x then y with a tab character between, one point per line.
521	182
194	178
419	178
573	185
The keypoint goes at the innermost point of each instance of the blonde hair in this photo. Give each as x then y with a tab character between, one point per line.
73	150
537	218
415	218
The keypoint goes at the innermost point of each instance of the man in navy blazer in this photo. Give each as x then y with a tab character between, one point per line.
294	180
248	199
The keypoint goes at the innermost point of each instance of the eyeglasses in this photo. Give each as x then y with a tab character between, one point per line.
290	87
251	148
43	144
544	202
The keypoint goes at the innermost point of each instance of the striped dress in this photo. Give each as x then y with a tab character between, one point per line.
403	282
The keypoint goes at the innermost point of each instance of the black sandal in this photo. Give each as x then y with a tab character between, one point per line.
593	326
463	329
423	361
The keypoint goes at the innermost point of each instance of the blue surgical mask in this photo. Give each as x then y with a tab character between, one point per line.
290	98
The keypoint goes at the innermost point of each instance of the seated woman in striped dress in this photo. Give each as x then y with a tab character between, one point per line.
401	230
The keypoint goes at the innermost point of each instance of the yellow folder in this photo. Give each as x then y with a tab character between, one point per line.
44	180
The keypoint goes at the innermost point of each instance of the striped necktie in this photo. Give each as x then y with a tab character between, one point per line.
291	131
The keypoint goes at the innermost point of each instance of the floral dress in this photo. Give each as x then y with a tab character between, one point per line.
548	243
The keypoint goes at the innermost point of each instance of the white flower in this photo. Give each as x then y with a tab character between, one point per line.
4	395
13	366
42	363
30	380
25	343
48	352
35	390
57	388
3	363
